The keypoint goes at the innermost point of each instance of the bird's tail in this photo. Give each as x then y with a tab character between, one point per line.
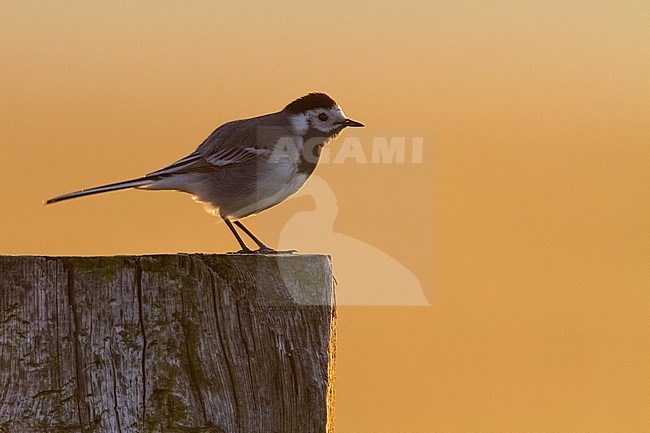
133	183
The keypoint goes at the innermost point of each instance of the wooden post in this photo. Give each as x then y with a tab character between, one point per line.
167	343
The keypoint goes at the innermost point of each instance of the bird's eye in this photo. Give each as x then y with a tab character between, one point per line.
323	117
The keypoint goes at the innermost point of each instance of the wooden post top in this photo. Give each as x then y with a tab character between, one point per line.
174	342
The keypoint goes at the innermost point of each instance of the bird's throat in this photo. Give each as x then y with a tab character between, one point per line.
313	143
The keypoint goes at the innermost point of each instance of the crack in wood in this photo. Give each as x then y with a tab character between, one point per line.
138	283
249	353
115	410
192	368
75	323
225	350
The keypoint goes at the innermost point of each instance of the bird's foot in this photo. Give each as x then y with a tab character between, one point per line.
267	250
242	251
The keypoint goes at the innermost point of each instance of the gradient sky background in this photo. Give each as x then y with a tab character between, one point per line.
527	224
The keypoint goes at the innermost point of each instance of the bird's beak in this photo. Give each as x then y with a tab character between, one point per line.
352	123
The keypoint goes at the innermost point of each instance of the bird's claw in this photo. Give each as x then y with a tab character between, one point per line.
267	250
247	251
263	251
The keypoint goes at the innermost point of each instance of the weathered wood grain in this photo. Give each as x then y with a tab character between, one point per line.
168	343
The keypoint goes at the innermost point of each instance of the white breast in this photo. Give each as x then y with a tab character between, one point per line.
274	187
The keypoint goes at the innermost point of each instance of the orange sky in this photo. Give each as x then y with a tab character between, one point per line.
527	223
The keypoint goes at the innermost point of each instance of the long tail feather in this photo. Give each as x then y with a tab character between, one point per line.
104	188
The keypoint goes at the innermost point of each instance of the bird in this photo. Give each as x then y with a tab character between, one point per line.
248	165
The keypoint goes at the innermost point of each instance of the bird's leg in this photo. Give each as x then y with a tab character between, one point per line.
244	248
252	236
263	248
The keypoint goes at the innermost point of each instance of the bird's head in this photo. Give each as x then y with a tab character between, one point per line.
318	112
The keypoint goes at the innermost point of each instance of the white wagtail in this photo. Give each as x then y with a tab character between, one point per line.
249	165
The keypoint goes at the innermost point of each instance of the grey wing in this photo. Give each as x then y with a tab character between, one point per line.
232	143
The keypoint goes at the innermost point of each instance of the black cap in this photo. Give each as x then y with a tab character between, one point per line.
309	102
